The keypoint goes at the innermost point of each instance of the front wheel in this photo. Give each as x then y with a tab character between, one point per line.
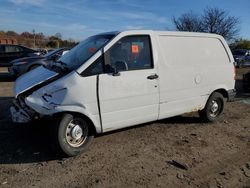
73	134
213	108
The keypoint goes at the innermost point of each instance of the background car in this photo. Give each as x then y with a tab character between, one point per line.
246	81
23	65
10	52
242	57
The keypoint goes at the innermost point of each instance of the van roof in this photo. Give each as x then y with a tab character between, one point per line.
177	33
172	33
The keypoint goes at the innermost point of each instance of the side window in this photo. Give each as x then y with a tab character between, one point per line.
19	49
11	49
130	53
95	68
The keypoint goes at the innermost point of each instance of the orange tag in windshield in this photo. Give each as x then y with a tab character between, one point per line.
135	49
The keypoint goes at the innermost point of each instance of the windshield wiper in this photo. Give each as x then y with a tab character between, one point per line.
62	63
59	66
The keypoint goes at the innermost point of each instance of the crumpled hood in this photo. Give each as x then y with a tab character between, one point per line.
32	78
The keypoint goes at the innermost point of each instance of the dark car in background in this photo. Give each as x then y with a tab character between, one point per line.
241	57
9	52
23	65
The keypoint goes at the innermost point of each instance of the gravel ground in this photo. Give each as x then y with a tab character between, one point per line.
175	152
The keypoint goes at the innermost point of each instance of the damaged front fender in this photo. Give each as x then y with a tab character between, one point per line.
46	102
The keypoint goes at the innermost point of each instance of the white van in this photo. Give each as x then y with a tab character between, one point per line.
120	79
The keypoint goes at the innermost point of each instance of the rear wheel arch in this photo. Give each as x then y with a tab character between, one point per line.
223	92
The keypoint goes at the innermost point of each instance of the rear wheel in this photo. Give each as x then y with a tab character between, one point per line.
213	108
73	134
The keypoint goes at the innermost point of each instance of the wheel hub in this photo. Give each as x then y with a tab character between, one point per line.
76	132
214	107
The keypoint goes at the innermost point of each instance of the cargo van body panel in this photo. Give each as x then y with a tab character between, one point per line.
190	70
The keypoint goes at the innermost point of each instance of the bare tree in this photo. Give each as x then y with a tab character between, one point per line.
218	21
213	20
188	22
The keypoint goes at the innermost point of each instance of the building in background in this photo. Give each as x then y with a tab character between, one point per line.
8	41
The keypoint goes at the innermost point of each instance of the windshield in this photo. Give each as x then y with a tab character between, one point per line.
83	51
239	52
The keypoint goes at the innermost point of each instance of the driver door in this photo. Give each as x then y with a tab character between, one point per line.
129	94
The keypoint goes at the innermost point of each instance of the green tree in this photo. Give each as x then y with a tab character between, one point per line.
2	33
11	34
52	44
240	44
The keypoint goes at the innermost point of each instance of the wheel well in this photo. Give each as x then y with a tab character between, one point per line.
90	123
223	92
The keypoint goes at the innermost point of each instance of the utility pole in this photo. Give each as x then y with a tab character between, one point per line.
34	40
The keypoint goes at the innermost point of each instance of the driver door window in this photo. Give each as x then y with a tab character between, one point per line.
130	53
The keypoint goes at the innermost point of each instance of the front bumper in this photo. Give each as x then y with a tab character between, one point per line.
21	113
19	116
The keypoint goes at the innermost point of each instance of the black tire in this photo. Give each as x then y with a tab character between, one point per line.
65	141
213	108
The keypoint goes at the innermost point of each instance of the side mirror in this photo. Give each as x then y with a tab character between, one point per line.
112	70
116	72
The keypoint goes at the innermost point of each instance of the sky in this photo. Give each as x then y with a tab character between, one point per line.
78	19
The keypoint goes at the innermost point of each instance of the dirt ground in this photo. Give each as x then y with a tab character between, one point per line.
175	152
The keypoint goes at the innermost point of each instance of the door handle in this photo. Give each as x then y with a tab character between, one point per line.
152	77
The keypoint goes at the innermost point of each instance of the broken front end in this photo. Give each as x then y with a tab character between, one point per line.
24	87
21	113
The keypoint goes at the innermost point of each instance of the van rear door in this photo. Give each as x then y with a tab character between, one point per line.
130	95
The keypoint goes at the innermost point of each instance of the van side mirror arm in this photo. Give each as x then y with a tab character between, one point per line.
111	70
116	72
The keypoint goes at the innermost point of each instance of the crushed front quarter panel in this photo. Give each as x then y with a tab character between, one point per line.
71	93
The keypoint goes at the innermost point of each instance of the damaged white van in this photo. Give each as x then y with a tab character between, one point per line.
120	79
